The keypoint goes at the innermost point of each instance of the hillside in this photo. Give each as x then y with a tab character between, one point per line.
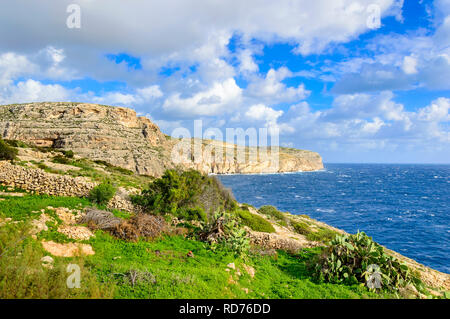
118	136
47	222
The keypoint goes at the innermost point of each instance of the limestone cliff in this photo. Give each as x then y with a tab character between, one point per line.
117	135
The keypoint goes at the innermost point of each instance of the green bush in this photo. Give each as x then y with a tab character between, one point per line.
68	154
196	213
7	152
177	191
271	211
255	222
102	193
356	259
301	228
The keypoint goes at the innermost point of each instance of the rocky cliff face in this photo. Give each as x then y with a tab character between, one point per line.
117	135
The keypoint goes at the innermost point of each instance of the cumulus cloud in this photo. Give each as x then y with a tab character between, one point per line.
262	113
221	98
32	91
370	119
400	61
271	88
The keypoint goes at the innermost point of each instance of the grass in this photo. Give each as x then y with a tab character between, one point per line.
152	269
167	272
22	274
19	208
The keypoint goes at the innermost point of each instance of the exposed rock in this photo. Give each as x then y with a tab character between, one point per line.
116	135
67	250
66	215
231	265
250	270
39	225
76	232
122	201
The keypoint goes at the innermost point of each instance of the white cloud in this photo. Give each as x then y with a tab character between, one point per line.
271	89
162	27
260	112
32	91
221	98
436	112
409	65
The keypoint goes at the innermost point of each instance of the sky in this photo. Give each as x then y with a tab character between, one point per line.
355	80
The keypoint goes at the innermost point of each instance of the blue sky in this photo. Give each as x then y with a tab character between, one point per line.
320	72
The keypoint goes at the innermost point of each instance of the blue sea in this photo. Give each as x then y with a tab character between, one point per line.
403	207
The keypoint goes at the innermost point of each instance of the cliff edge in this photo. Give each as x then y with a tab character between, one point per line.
118	136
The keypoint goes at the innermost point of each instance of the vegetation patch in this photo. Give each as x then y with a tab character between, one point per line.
301	228
7	152
102	194
255	222
23	273
272	212
323	234
180	193
354	259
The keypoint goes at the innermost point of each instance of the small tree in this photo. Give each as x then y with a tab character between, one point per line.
102	193
7	152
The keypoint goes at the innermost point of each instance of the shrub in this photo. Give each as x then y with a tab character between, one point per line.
324	235
177	191
102	193
196	213
358	259
255	222
68	154
271	211
301	228
7	152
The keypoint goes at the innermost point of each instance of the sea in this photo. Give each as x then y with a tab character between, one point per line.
405	207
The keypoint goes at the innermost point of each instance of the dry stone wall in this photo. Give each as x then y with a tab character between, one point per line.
41	182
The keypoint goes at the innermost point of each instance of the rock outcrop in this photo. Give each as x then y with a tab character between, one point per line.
117	135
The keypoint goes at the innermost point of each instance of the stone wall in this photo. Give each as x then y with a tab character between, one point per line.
41	182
